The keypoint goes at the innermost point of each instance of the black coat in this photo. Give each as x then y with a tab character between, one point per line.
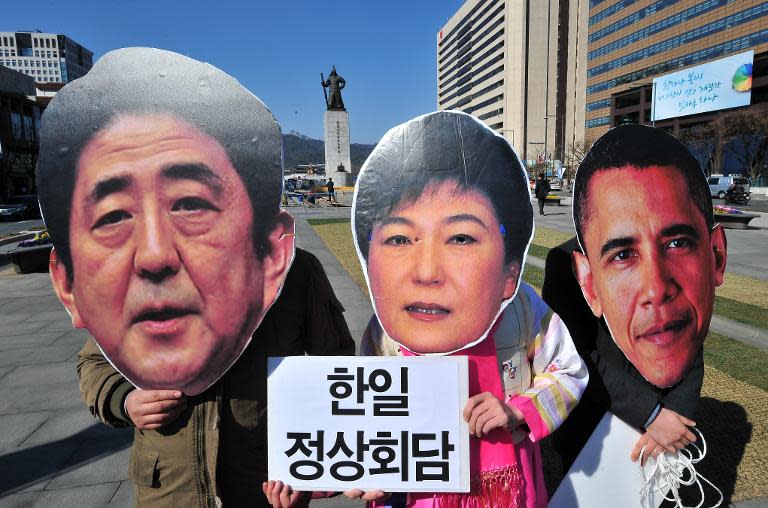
542	188
614	383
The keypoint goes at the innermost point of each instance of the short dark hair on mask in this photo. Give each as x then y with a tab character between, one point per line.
446	146
641	147
153	82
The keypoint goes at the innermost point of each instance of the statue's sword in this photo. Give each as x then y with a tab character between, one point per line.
322	82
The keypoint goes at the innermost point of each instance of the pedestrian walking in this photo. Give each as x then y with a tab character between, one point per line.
541	190
331	191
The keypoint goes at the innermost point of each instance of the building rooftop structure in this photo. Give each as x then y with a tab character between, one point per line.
46	57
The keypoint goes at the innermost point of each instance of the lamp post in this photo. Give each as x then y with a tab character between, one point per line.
546	137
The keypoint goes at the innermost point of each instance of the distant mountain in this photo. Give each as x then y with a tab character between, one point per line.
301	149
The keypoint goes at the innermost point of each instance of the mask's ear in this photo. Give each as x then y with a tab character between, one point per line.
278	261
62	284
719	246
584	275
513	276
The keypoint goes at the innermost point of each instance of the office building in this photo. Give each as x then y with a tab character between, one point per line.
514	64
19	133
47	58
631	42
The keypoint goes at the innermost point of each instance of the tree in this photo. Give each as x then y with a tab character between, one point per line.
743	134
747	135
575	154
703	141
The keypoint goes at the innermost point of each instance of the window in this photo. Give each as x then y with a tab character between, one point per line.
491	113
730	47
597	122
16	130
684	38
605	103
633	18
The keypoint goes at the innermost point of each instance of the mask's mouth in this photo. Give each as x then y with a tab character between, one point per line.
664	332
165	313
427	309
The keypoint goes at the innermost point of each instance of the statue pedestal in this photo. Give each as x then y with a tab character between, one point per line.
337	147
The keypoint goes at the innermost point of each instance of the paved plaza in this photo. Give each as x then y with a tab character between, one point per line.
54	453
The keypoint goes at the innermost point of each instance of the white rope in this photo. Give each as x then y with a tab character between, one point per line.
668	472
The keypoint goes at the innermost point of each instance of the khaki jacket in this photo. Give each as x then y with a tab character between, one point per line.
214	454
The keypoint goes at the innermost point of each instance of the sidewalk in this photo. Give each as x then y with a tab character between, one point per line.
746	248
742	332
53	453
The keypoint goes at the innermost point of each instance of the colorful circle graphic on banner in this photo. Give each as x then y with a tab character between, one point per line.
742	78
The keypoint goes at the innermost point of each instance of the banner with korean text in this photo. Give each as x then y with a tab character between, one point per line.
722	84
370	423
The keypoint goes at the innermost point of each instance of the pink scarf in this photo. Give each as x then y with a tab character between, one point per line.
497	480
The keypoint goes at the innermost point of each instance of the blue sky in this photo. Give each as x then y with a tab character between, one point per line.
277	49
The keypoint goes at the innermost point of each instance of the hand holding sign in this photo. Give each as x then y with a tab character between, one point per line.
485	412
153	409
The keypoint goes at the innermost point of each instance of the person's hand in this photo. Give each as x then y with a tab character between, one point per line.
371	495
670	430
485	412
152	409
652	448
280	495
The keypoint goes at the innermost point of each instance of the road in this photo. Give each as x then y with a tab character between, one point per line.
16	226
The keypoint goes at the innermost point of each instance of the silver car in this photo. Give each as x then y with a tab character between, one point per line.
719	184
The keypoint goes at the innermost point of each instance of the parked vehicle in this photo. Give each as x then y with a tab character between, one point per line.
20	207
719	184
737	194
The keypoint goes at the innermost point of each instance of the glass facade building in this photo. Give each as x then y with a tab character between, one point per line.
631	42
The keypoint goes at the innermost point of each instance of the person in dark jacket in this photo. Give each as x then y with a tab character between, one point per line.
615	385
170	247
331	191
647	261
214	445
541	190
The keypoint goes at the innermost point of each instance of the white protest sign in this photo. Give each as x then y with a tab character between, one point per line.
373	423
603	475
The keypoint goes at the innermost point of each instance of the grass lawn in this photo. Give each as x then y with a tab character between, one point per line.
733	412
740	298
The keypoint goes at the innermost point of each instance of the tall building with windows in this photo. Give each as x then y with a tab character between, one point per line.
631	42
514	64
47	58
19	133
